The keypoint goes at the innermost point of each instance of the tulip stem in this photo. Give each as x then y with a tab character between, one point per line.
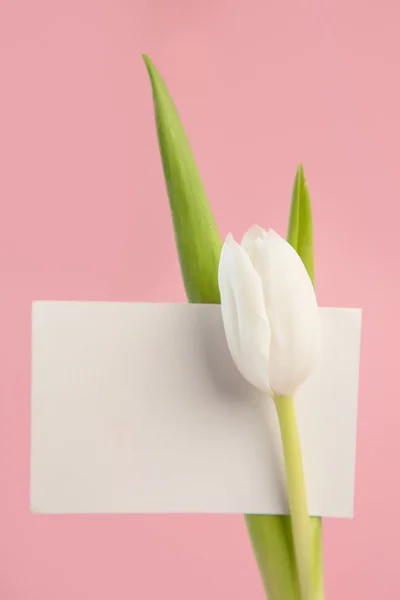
300	521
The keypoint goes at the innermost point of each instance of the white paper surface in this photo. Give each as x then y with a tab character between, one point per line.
139	408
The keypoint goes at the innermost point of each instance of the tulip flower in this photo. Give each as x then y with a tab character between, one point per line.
199	247
269	310
270	315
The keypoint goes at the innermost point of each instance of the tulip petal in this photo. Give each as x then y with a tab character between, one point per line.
291	306
244	317
254	235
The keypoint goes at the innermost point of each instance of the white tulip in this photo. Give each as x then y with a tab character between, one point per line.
271	321
269	311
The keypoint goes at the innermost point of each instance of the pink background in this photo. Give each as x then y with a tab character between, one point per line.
260	86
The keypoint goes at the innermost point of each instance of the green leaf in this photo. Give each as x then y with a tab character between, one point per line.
300	236
196	234
300	231
272	542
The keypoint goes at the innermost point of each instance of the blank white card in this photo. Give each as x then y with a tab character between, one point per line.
138	408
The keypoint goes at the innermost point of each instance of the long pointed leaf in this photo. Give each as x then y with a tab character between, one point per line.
197	238
300	236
